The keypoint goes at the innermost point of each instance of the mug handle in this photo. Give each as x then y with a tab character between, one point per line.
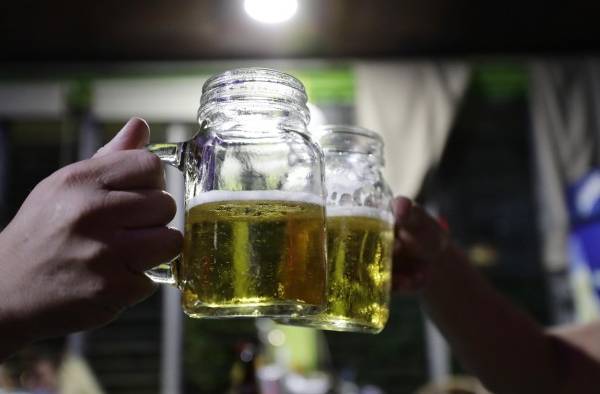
172	154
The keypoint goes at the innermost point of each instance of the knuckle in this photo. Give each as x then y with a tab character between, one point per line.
169	205
109	199
85	211
97	253
112	202
99	288
73	174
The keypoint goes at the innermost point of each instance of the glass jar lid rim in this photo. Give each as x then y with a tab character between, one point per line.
329	129
252	74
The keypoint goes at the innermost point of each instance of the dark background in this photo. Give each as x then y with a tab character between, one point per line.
111	30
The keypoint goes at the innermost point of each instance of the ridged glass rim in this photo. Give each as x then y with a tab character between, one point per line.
328	129
373	147
253	74
254	87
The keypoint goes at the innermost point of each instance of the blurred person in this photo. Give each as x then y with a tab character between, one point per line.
39	365
74	255
9	380
502	346
50	369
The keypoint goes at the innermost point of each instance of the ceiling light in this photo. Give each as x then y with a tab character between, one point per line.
271	11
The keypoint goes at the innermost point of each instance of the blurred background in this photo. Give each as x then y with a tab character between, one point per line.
489	111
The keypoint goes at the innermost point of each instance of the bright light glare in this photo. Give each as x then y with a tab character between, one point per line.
271	11
276	337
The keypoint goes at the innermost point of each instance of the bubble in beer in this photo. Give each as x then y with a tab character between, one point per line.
253	253
359	247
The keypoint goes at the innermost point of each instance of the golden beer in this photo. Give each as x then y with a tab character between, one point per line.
253	254
359	247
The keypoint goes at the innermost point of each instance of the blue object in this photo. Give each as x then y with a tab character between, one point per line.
583	200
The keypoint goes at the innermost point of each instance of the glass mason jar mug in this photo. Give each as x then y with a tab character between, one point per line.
359	233
254	237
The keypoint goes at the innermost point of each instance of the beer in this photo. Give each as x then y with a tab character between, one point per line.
359	247
253	253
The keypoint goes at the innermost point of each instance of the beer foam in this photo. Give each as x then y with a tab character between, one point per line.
369	212
254	195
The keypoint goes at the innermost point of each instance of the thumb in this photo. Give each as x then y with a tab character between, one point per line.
402	207
134	135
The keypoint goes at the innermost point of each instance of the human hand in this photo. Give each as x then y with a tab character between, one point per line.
419	242
74	255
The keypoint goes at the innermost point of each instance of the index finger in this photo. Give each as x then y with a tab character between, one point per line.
128	170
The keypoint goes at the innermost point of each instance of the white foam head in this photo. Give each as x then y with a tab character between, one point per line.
369	212
254	195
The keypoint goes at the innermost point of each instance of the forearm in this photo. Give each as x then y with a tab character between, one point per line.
15	332
508	351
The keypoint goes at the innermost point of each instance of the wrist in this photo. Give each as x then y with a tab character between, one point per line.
15	330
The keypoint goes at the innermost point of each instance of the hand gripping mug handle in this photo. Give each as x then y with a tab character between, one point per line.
172	154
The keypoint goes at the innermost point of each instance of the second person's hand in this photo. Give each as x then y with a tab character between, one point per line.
419	242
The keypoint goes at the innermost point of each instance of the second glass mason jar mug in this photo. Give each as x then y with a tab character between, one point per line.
254	199
359	233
